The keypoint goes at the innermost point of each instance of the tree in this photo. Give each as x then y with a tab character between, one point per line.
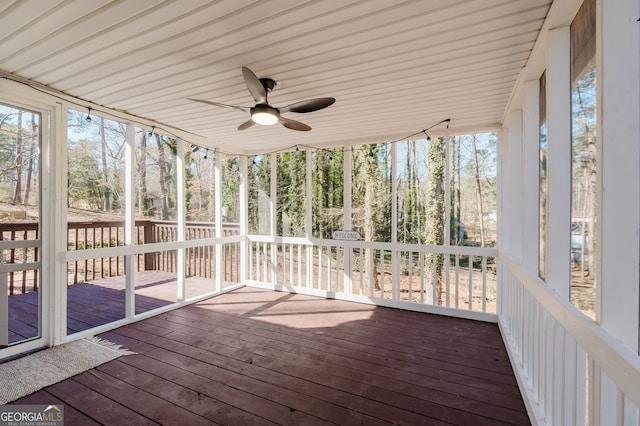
478	188
143	203
19	143
435	211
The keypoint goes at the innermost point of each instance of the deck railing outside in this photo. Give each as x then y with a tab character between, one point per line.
103	234
572	371
411	276
18	246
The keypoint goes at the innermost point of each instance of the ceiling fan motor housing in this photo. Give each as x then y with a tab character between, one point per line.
268	83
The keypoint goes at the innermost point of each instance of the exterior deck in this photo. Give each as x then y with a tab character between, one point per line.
101	301
255	356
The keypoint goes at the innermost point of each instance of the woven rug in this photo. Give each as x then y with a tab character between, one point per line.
36	371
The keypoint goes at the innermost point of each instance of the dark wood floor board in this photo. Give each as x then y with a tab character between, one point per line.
254	356
318	339
380	388
189	373
389	378
277	385
353	402
458	353
193	400
218	368
98	407
138	400
455	383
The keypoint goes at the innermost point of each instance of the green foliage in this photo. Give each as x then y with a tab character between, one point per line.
291	189
327	192
230	188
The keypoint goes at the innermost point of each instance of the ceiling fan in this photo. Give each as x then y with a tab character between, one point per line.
265	114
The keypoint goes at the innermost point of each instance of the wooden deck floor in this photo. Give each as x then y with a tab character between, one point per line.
102	301
254	357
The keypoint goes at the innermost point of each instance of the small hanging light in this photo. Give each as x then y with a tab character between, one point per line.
88	117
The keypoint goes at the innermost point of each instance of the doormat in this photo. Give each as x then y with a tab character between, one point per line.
33	372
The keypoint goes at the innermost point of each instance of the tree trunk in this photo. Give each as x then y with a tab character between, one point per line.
17	195
162	165
436	212
369	209
478	188
106	192
33	149
142	175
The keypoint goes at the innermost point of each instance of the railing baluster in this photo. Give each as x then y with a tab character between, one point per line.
12	259
457	281
421	267
434	281
470	283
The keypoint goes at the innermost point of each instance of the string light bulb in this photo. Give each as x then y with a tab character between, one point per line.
151	132
88	117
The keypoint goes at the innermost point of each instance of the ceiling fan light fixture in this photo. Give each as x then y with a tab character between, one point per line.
265	115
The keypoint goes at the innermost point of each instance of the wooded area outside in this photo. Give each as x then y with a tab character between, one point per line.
404	192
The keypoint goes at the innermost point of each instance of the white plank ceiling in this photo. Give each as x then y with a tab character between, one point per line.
395	67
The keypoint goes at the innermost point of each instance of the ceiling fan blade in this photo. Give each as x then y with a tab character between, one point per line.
293	124
308	105
246	125
254	85
239	108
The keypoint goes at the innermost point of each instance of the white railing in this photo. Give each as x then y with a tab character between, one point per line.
398	275
571	371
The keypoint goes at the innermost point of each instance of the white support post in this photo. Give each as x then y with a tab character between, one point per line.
395	254
181	222
348	252
559	161
531	176
244	217
308	217
515	185
54	293
4	310
504	178
218	218
130	220
273	228
619	205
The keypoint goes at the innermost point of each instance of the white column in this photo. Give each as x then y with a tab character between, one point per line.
244	217
515	195
130	219
181	222
273	196
4	309
307	216
619	205
348	252
559	161
504	212
218	217
531	176
56	295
